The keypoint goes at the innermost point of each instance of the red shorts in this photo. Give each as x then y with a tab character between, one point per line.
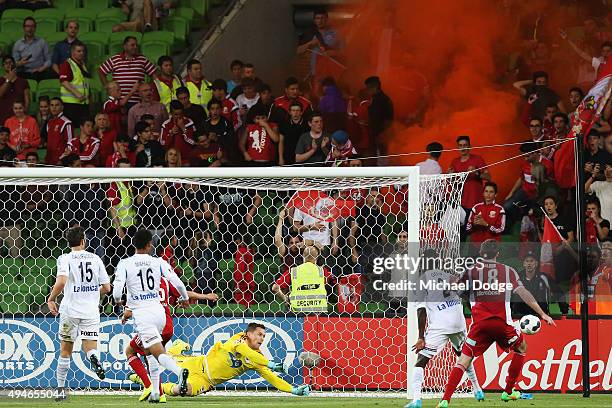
485	332
166	335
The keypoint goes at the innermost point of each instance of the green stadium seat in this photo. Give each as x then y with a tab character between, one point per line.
201	11
84	17
112	12
185	12
54	38
6	45
158	36
180	27
33	87
49	87
17	14
46	25
66	4
106	24
49	13
115	44
11	25
96	5
96	43
154	49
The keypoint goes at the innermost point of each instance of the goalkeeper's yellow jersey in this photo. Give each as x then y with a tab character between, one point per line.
231	359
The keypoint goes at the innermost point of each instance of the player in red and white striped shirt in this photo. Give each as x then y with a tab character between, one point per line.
492	320
128	68
87	145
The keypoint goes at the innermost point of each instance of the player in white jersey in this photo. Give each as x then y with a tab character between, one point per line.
141	274
442	310
80	274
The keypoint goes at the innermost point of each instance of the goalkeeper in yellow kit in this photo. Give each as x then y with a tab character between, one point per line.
231	359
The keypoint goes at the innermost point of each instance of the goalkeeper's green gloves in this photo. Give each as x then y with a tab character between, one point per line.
302	390
277	367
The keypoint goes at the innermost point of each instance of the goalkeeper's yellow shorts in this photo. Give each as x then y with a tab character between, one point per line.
197	377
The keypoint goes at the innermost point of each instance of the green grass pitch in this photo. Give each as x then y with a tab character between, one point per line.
539	400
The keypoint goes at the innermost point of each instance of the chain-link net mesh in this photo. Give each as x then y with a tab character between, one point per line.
237	238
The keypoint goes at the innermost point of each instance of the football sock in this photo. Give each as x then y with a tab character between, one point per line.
453	380
417	382
154	373
169	364
140	370
63	364
514	370
471	373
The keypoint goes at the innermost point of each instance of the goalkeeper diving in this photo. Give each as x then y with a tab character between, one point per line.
228	360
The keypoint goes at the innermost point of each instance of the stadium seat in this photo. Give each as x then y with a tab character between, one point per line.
11	25
154	49
157	37
96	43
95	5
47	25
54	38
84	18
50	13
6	44
33	87
66	4
105	24
49	87
201	11
17	14
115	45
180	27
185	12
112	12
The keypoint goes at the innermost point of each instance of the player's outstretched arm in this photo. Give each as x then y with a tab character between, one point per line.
169	274
119	282
528	298
202	296
254	356
281	384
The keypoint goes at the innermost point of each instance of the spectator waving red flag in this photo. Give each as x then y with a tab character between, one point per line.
550	238
582	120
319	205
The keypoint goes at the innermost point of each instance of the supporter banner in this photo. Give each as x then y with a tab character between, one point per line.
370	353
29	349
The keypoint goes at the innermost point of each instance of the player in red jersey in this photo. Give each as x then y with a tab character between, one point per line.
168	296
491	319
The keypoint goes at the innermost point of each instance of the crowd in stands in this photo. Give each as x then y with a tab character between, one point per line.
154	118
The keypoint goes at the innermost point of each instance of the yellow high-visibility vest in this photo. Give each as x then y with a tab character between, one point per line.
79	82
125	210
167	94
201	95
308	293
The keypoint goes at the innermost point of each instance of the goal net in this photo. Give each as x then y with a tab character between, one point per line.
236	233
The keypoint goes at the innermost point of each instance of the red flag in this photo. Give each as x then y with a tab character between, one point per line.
582	120
551	237
319	205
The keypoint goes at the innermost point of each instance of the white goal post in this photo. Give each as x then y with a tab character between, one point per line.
211	214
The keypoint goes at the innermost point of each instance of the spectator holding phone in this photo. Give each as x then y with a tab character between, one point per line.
12	88
32	55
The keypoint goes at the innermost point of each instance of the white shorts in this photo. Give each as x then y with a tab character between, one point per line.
435	341
149	323
72	327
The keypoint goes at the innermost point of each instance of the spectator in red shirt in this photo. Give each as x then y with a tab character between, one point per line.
292	94
259	141
229	107
357	110
114	106
206	152
59	132
487	219
575	97
560	123
106	135
87	145
244	266
467	162
25	135
178	132
122	151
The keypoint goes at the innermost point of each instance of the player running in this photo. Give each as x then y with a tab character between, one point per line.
142	273
443	312
79	275
492	321
231	359
169	295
